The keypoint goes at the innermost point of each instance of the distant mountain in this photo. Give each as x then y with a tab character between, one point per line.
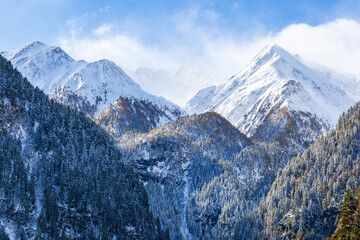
178	86
61	176
88	87
276	98
350	83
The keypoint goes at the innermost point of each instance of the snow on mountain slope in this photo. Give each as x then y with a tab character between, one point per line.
89	87
349	82
201	101
275	80
178	86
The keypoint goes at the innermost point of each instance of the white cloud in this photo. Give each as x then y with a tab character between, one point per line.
103	29
335	44
125	50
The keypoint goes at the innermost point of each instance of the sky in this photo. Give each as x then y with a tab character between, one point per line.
215	37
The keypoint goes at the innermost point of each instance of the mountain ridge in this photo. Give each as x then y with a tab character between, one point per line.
89	87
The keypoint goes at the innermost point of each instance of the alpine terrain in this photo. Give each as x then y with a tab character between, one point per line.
268	154
182	164
276	98
92	87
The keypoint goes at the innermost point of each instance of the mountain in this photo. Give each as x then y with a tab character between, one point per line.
178	86
307	195
88	87
201	174
312	200
201	101
61	176
276	98
131	114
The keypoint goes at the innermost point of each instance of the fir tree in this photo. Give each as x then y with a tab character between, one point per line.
346	225
347	212
356	225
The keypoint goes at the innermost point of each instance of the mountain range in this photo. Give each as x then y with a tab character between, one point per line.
256	159
89	87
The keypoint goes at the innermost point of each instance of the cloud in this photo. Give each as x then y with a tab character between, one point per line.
103	29
335	44
125	50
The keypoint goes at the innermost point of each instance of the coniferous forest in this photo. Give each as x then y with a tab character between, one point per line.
61	175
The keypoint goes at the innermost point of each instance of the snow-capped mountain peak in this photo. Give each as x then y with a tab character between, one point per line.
273	80
27	49
39	53
89	87
268	55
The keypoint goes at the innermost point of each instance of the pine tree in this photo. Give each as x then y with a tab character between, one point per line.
356	225
346	224
347	212
356	222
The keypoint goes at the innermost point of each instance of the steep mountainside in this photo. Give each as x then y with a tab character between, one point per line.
201	174
61	177
201	101
88	87
273	91
305	198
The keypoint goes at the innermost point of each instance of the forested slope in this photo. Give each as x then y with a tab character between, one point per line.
305	198
61	175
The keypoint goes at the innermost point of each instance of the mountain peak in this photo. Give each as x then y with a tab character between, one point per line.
28	48
275	49
96	85
34	45
271	53
37	43
38	48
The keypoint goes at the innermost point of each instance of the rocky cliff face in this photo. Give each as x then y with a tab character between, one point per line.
130	114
